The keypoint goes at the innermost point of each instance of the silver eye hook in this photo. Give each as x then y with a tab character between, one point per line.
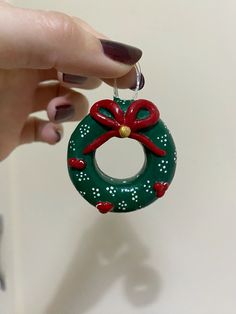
138	80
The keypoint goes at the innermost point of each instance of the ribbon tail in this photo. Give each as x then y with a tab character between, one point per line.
99	141
148	143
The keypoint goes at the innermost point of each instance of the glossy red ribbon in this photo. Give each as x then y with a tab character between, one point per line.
129	119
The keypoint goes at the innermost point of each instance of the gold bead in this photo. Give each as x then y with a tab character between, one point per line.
124	131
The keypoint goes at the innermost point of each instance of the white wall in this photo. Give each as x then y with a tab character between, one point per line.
177	256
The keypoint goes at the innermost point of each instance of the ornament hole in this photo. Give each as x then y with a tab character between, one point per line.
120	158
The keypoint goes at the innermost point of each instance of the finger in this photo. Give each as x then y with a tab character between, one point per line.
37	130
4	3
72	80
44	40
69	80
67	108
47	75
127	81
62	103
88	28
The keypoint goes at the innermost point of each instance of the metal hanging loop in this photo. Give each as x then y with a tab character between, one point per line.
138	80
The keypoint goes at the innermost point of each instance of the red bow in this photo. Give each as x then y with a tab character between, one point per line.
125	124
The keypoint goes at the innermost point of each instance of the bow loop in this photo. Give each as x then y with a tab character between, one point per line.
131	115
111	107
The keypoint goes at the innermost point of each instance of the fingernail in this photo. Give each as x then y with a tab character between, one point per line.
73	79
121	52
64	112
59	135
141	83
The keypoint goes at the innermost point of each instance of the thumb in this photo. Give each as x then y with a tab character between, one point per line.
45	39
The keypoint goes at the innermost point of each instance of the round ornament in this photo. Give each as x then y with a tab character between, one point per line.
135	119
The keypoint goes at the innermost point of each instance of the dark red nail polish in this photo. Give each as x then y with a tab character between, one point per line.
121	52
74	79
141	84
64	112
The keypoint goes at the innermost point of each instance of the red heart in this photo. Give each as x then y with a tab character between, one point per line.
160	188
104	207
75	163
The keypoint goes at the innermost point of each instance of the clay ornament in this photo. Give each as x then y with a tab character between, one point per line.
138	120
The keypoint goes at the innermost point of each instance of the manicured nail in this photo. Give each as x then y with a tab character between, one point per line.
141	83
73	79
121	52
64	113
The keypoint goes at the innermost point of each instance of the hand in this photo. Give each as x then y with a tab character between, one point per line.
35	47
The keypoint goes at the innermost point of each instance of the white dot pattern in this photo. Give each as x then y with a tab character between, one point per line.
165	126
96	192
72	145
122	205
163	166
111	190
125	190
175	156
82	176
134	195
84	130
148	187
163	139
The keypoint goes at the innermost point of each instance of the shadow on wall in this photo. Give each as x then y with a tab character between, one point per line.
108	251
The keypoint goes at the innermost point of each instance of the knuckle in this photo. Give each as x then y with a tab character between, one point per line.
62	26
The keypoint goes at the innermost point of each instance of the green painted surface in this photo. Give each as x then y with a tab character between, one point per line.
126	194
